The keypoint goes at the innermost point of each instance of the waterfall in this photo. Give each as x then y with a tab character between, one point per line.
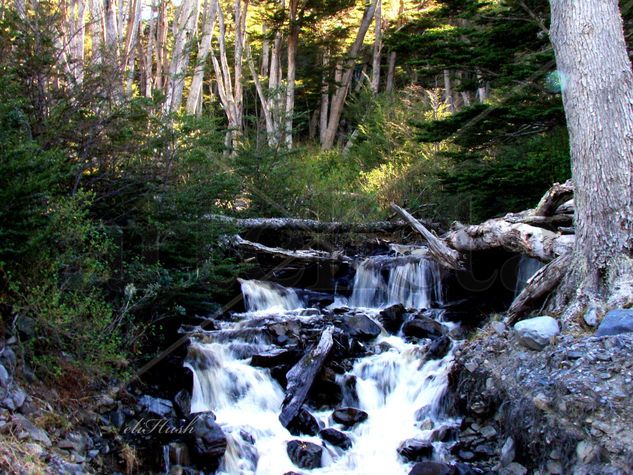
526	269
416	284
260	296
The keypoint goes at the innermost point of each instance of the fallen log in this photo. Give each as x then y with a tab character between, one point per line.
302	375
303	255
521	238
553	198
309	225
553	223
540	285
443	254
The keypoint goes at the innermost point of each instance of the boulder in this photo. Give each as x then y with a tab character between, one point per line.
155	405
336	438
616	322
276	357
207	441
423	327
361	326
438	348
349	416
303	423
27	429
392	318
536	333
416	450
304	454
432	468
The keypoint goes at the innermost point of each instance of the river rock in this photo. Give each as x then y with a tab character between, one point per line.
361	326
8	359
432	468
30	430
392	318
416	450
508	452
349	416
438	348
536	333
303	423
4	377
616	322
208	441
587	452
304	454
182	401
336	438
423	327
444	433
155	405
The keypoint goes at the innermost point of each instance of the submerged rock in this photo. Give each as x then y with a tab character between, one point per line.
423	327
416	450
349	416
616	322
304	454
361	326
536	333
336	438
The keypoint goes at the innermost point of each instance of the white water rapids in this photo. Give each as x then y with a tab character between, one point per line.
401	394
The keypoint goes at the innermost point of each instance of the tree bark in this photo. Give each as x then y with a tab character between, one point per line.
391	71
597	90
195	91
375	63
293	39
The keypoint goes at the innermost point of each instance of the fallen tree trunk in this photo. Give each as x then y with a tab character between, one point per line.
443	254
302	375
555	196
303	255
521	238
553	223
309	225
540	285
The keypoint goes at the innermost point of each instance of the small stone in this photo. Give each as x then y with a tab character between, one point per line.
513	469
426	424
155	405
587	452
541	401
508	452
554	467
31	430
336	438
432	468
304	454
499	328
536	333
4	377
349	416
591	317
488	432
416	450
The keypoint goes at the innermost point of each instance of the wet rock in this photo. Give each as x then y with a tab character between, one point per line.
8	359
484	451
616	322
361	326
444	434
326	391
336	438
4	377
76	442
392	318
508	452
27	429
423	327
416	450
155	405
536	333
208	441
432	468
182	401
304	454
117	418
438	348
276	357
303	423
349	416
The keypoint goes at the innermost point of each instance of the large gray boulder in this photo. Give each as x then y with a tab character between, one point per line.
536	333
616	322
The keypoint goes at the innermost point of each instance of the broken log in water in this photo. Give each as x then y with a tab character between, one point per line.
302	375
310	225
443	254
303	255
539	286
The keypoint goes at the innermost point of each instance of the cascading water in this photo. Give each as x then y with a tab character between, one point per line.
260	296
526	269
400	391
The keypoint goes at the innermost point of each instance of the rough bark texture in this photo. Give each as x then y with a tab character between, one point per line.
375	63
597	87
301	376
195	90
555	197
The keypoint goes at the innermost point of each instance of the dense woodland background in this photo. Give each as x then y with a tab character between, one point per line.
124	123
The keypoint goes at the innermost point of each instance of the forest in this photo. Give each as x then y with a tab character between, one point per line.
166	166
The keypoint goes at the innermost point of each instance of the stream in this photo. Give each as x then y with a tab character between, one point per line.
392	378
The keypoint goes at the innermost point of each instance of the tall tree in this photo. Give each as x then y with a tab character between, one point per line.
597	88
195	91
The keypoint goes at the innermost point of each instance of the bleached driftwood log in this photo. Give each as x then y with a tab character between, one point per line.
553	198
303	255
540	285
309	225
443	254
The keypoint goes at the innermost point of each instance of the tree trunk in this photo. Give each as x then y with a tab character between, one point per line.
293	39
597	88
325	96
195	91
391	71
448	91
375	63
340	93
96	29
